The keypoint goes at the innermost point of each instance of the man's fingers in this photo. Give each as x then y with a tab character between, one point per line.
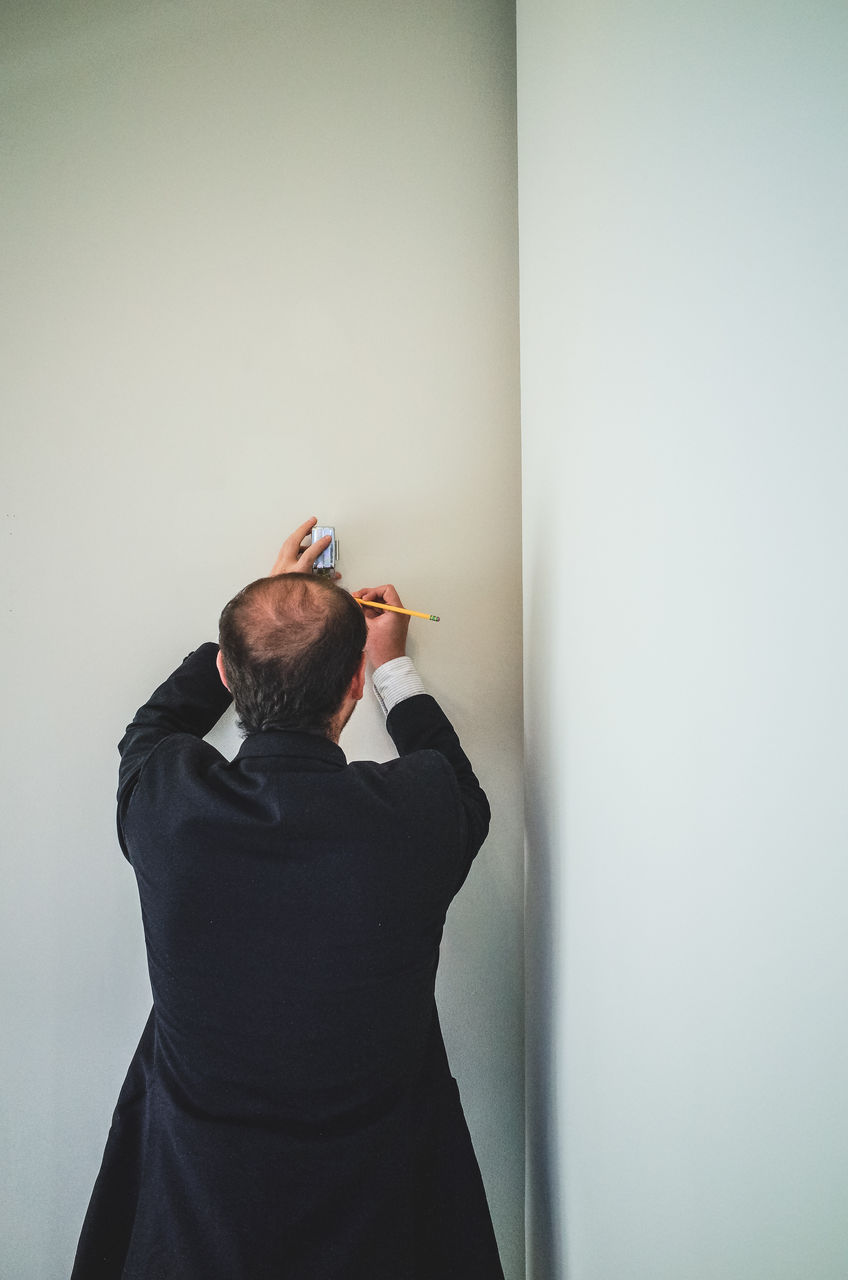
293	541
297	554
310	554
385	594
364	596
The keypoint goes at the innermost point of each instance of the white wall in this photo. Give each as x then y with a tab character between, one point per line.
260	264
683	189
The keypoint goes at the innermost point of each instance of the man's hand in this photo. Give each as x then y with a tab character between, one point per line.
386	631
297	554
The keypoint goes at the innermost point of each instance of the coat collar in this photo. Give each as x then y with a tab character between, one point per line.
292	742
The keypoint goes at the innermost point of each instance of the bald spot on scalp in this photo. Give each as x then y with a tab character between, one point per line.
282	616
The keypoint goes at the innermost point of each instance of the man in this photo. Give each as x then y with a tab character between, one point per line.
290	1112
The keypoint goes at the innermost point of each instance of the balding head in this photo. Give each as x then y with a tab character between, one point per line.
290	646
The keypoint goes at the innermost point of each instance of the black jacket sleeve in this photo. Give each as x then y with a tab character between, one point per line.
192	700
418	723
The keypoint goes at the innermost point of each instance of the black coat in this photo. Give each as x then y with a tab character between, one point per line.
290	1112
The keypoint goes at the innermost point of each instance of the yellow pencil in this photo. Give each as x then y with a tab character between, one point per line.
393	608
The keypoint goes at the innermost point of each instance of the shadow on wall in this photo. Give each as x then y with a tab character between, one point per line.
543	875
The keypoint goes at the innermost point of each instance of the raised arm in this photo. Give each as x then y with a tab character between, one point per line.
194	697
190	701
415	720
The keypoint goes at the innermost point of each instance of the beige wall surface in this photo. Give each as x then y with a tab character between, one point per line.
260	264
683	187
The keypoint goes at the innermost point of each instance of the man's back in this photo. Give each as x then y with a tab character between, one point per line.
293	909
290	1111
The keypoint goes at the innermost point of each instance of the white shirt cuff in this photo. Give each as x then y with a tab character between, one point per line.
395	681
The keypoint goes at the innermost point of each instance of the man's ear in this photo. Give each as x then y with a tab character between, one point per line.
357	687
219	663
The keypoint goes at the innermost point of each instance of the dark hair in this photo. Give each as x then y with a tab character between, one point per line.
291	645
